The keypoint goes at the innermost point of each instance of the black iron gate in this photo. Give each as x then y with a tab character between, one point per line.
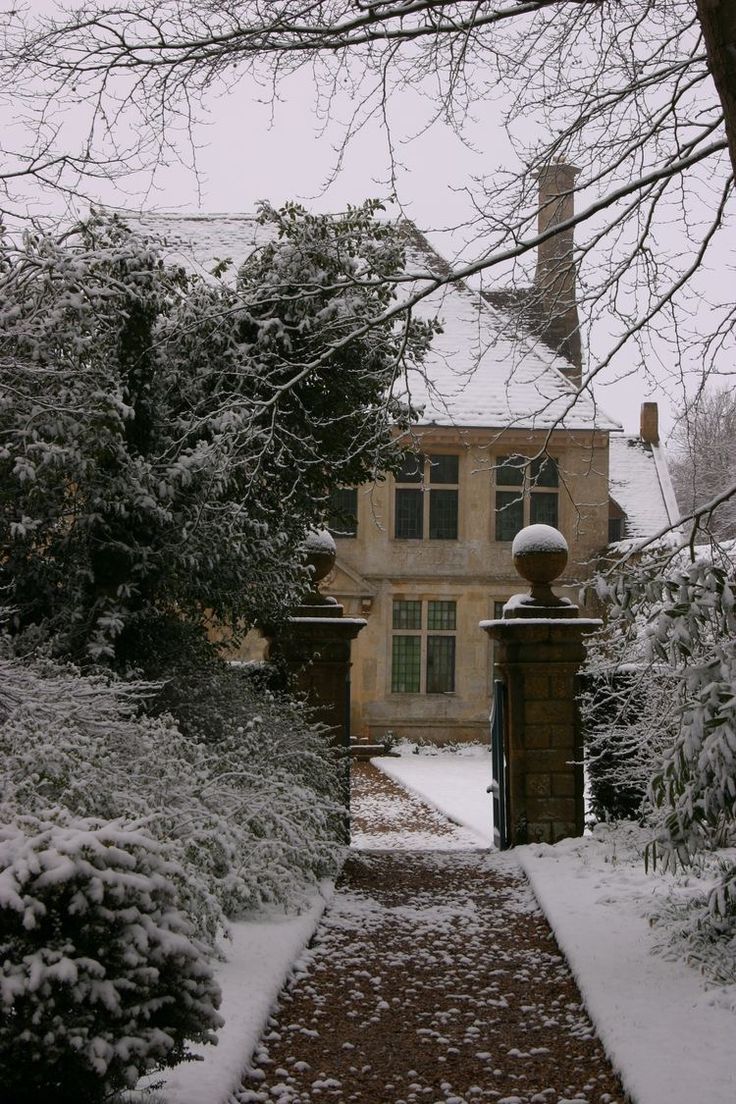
501	835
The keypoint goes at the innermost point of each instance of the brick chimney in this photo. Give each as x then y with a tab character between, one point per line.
555	278
649	424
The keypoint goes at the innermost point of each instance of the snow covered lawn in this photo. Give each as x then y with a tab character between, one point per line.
454	780
671	1038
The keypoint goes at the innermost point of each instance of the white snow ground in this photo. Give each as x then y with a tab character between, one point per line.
671	1039
453	781
384	823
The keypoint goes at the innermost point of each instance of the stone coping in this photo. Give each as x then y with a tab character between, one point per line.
329	620
523	622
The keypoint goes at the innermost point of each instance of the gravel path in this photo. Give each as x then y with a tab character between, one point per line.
385	816
432	978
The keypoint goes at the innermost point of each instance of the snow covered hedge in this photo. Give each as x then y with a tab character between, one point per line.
679	617
126	846
100	978
250	815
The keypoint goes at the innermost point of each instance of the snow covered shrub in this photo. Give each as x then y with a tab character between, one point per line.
689	928
100	978
683	614
247	807
629	715
273	775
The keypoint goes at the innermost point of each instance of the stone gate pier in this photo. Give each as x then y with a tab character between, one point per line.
538	652
315	644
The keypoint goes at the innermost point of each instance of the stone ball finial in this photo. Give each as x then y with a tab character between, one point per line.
321	551
540	555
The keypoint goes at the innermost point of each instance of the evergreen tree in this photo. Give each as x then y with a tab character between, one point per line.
166	440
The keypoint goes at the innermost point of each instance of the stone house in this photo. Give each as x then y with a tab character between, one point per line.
425	556
505	439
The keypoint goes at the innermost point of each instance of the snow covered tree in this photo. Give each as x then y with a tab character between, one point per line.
166	440
638	95
682	617
703	464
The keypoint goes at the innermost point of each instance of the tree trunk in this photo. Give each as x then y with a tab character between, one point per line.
718	22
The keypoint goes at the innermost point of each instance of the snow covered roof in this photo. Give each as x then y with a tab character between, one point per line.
640	483
476	374
198	241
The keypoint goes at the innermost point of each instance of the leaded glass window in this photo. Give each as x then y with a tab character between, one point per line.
443	469
543	509
440	664
509	514
441	615
437	476
423	646
412	469
409	520
544	472
526	494
407	614
443	515
510	471
342	520
406	660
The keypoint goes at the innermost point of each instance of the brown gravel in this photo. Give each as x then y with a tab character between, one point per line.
432	978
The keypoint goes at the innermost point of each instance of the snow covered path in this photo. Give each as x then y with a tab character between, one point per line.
464	775
433	977
670	1035
393	817
671	1038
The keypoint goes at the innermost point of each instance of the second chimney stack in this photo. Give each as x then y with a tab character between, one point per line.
649	425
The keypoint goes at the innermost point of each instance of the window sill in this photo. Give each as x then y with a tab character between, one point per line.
402	695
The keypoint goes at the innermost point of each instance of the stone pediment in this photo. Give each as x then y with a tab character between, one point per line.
345	582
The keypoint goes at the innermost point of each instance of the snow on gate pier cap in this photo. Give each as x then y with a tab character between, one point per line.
538	538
